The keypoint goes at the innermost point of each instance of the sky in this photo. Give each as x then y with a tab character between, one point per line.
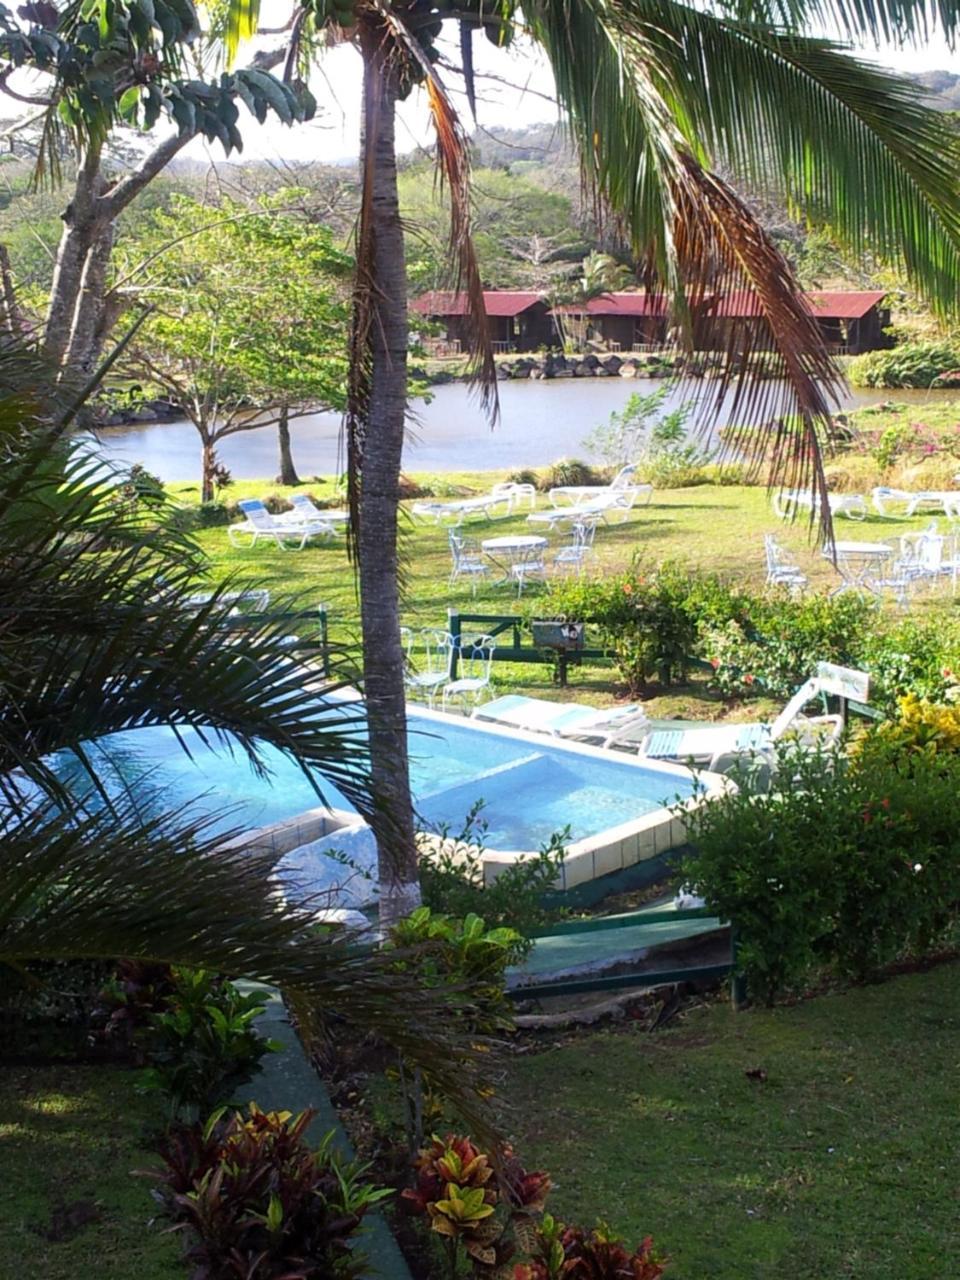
524	100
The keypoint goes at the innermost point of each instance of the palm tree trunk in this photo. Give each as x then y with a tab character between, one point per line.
377	556
288	472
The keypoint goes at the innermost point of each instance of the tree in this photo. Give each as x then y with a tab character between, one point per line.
99	632
105	70
249	320
600	274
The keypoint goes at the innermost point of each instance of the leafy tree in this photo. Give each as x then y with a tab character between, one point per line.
250	316
101	67
599	275
523	234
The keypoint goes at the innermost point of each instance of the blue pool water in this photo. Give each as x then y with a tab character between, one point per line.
528	791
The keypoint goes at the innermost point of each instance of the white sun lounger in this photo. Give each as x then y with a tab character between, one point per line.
498	503
790	501
605	506
305	511
706	745
259	524
578	493
564	719
914	501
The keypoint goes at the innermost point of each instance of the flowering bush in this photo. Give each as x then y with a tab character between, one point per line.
647	619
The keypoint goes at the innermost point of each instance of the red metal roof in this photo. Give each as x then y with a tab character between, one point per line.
835	305
843	305
498	302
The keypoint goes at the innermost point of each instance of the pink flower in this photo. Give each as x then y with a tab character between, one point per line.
627	589
748	679
715	663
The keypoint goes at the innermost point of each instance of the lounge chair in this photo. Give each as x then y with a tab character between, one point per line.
790	501
707	745
604	506
947	501
606	727
259	524
576	494
305	511
497	504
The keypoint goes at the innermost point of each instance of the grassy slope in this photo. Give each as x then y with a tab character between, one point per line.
70	1135
842	1164
713	527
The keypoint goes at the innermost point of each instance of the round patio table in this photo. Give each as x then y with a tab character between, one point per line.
858	564
500	550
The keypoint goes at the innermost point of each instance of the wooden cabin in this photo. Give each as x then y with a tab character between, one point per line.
516	321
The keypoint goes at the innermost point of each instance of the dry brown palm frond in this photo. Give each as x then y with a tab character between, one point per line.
731	265
453	170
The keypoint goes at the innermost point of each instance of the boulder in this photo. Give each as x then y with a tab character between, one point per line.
612	364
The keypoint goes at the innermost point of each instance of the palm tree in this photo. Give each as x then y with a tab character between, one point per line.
100	632
658	94
600	274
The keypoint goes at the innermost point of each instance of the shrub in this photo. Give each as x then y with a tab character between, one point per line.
133	993
570	471
646	620
912	364
463	957
258	1202
203	1044
491	1216
452	880
851	864
524	476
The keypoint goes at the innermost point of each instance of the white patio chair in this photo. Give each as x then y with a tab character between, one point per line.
425	674
467	560
530	567
782	569
571	558
475	663
259	524
520	493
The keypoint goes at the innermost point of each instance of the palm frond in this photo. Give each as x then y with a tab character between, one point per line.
240	24
851	146
79	885
697	240
876	22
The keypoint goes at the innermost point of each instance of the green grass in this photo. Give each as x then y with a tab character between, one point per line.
842	1164
713	527
69	1138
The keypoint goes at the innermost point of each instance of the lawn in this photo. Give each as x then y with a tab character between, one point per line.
840	1163
69	1138
713	527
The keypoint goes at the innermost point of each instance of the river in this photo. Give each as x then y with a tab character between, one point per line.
540	422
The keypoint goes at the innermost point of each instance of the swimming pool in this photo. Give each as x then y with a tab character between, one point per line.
530	786
619	810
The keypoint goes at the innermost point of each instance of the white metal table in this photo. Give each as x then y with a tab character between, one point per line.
500	550
859	565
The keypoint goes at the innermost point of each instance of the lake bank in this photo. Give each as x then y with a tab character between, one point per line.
540	422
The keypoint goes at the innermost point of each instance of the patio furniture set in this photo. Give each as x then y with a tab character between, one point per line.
903	565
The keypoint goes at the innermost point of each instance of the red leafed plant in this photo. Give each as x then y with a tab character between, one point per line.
258	1203
495	1214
